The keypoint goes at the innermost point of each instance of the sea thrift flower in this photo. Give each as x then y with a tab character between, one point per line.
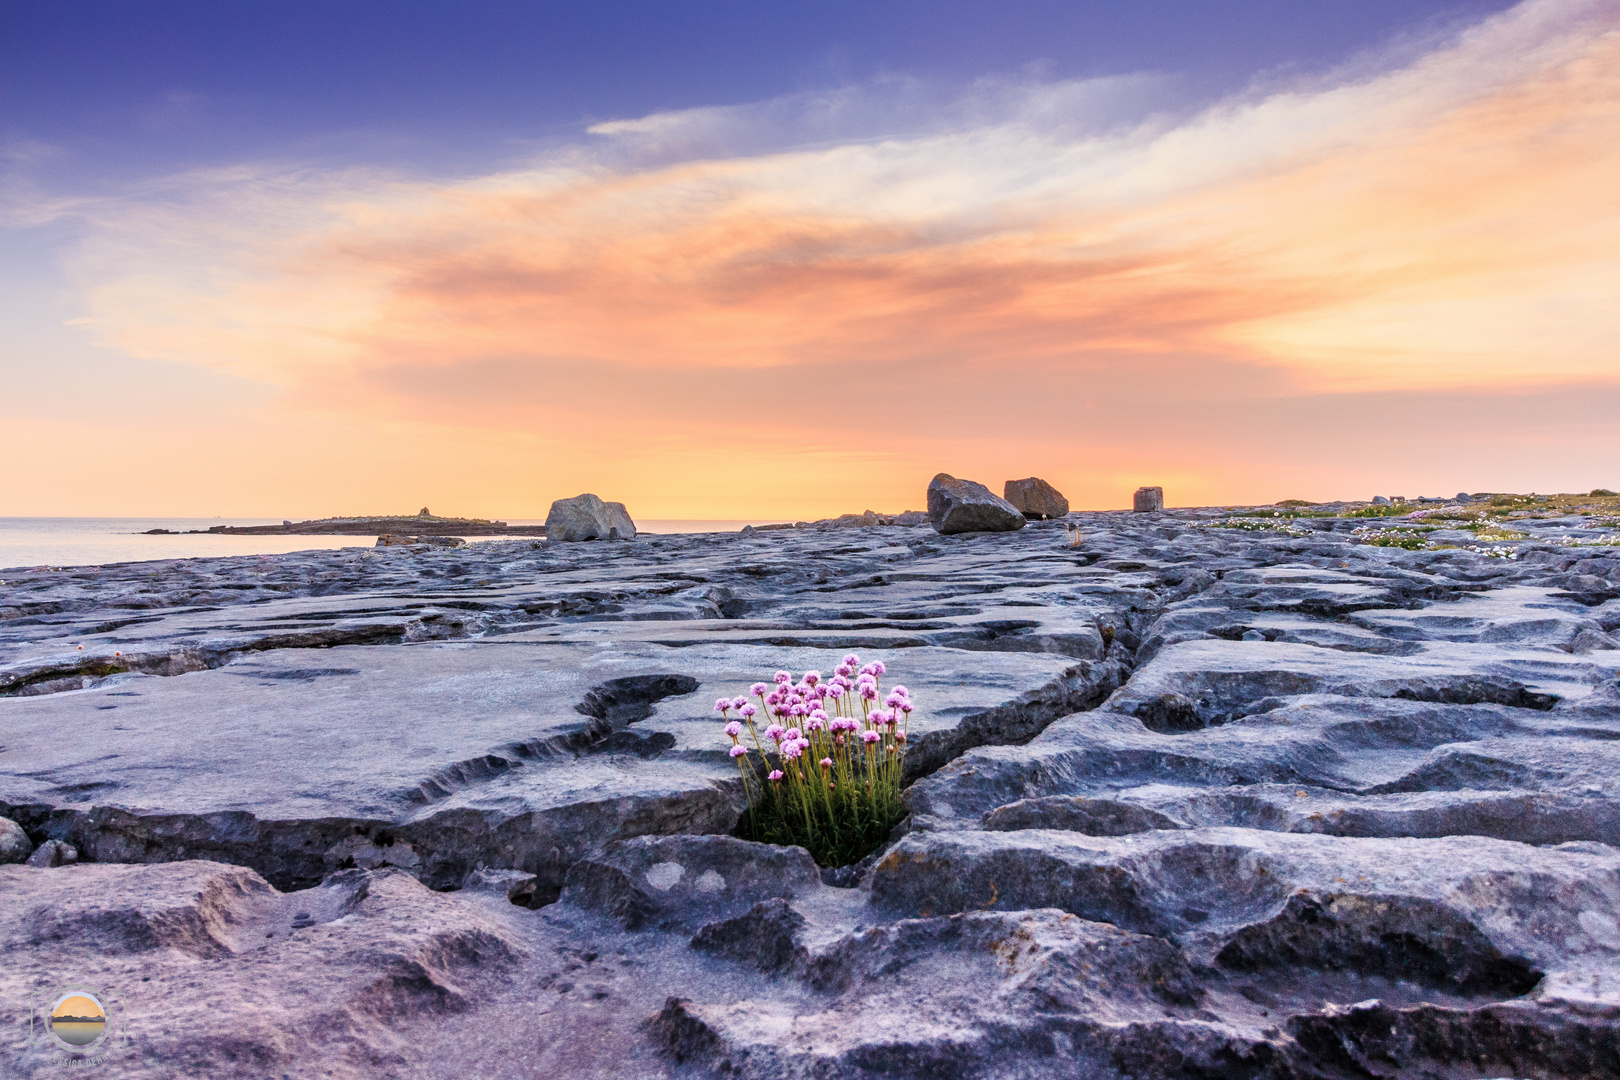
857	800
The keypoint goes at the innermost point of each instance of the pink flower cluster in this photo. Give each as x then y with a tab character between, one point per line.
845	724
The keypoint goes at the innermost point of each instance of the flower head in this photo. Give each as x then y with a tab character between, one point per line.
734	729
790	750
739	751
792	734
826	763
738	702
871	737
747	710
722	705
835	691
774	732
782	678
811	678
758	689
776	774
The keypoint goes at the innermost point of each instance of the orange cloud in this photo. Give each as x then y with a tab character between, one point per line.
1452	224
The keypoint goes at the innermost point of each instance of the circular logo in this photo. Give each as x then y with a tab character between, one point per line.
78	1020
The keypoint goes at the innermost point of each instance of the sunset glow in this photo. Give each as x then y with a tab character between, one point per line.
1231	300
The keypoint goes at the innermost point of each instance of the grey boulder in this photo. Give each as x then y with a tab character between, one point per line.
14	843
959	506
1036	499
53	853
1148	500
1379	500
586	517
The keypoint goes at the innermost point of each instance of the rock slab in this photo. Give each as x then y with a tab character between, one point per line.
959	506
1036	499
587	517
1148	500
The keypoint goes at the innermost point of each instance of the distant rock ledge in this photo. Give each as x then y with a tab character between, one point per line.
414	525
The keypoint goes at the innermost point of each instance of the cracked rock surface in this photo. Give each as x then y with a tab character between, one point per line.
1186	801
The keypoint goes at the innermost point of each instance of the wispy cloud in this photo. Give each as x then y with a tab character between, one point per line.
1450	220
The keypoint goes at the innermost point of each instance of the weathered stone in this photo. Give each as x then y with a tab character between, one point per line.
1036	499
959	506
1148	500
14	843
586	517
683	881
1379	500
515	885
1290	771
53	853
396	540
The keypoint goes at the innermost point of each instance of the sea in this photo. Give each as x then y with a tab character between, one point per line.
33	542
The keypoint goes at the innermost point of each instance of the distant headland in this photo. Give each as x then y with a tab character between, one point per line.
423	523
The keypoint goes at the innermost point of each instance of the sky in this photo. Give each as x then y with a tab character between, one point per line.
784	261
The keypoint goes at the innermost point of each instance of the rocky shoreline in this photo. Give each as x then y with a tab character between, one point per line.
1291	791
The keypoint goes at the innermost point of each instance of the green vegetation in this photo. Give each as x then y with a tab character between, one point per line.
831	782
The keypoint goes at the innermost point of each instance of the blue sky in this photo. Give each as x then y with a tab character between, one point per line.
120	89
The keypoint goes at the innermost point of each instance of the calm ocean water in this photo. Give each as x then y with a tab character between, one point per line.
91	541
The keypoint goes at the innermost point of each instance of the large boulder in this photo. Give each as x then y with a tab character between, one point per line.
958	506
1036	499
1149	500
14	843
586	517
